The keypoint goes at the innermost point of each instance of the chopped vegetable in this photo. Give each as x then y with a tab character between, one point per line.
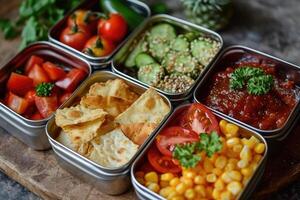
260	85
44	89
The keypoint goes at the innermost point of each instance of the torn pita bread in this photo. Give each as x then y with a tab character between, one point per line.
113	149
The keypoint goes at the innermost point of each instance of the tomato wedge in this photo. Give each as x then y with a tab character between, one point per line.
64	97
169	137
200	119
33	60
46	105
19	84
30	96
54	72
16	103
161	163
36	116
70	82
38	74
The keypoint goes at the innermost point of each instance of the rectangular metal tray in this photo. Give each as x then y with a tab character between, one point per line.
110	181
232	53
32	132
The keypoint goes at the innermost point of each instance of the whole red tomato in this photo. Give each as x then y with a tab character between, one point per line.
97	46
84	18
75	36
114	28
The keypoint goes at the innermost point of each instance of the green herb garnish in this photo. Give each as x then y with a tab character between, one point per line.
188	155
258	83
44	89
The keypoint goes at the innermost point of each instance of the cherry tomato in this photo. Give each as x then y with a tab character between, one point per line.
75	36
36	116
54	72
114	28
64	97
98	47
46	105
169	137
19	84
71	81
33	60
16	103
84	18
30	96
161	163
38	74
199	119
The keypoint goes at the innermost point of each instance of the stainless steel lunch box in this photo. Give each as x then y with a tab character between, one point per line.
32	132
121	56
291	71
110	181
146	194
96	62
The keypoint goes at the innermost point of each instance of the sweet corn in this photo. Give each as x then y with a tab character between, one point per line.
242	164
237	148
200	189
164	184
172	194
217	171
190	194
219	184
151	177
199	180
222	125
233	161
246	171
139	174
245	180
221	162
216	194
174	182
187	181
190	174
226	178
232	142
211	178
166	176
208	166
235	175
230	167
213	158
209	191
257	158
140	180
164	192
234	187
246	153
178	198
154	187
252	142
226	195
180	188
259	148
231	130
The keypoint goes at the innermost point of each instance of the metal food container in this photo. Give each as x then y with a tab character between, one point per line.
96	62
111	181
181	25
32	132
288	70
145	194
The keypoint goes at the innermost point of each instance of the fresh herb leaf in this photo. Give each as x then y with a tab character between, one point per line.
8	28
260	85
185	154
209	143
44	89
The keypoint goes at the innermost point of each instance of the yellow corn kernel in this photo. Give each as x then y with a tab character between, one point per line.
221	162
200	189
163	184
208	166
211	178
226	195
154	187
226	178
246	171
219	184
260	148
245	180
252	142
222	125
216	193
230	167
235	175
246	153
213	158
151	177
140	180
166	176
254	166
190	194
139	174
231	130
257	158
172	194
164	192
233	161
209	191
237	148
242	164
234	187
174	182
187	181
232	141
217	171
178	198
199	180
190	174
181	188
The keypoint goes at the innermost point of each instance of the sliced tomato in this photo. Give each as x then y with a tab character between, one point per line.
33	60
30	97
64	97
54	72
200	119
38	74
19	84
169	137
160	162
46	105
16	103
71	81
36	116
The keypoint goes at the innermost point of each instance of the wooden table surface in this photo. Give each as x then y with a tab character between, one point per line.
40	173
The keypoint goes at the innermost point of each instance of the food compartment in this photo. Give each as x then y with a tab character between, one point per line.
96	29
258	90
169	54
224	164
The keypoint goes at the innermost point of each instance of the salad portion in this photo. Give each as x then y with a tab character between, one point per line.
198	156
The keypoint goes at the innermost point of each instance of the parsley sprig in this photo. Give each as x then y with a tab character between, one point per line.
44	89
258	83
188	155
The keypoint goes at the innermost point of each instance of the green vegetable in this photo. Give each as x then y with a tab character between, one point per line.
132	17
44	89
258	83
159	8
143	59
188	155
35	19
141	46
151	74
